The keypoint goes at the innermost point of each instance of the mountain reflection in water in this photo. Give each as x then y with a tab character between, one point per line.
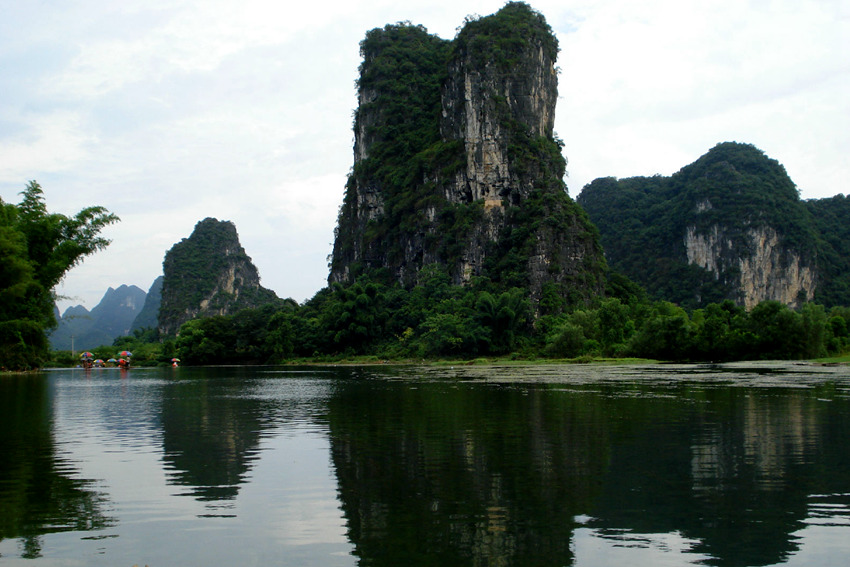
568	465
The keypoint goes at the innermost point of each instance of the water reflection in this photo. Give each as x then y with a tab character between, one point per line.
209	440
40	489
213	421
499	466
497	473
722	471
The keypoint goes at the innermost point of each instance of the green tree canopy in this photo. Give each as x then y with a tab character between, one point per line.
37	248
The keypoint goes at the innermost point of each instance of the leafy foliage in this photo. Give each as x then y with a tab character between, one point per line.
831	218
486	41
719	332
439	320
367	318
37	248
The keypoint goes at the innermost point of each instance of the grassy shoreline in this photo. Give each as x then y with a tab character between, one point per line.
481	361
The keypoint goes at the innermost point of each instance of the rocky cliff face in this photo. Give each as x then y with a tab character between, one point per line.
482	106
729	226
470	177
208	274
767	270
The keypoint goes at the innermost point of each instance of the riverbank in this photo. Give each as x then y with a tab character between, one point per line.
508	360
512	360
480	361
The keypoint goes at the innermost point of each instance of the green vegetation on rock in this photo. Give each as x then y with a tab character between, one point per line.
207	274
728	199
456	163
503	38
831	220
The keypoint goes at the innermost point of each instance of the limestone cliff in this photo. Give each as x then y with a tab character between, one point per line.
456	163
766	270
729	226
208	274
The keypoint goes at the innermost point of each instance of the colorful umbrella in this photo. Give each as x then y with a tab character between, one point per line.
125	353
112	360
86	355
175	360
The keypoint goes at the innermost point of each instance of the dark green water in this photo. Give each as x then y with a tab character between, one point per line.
569	465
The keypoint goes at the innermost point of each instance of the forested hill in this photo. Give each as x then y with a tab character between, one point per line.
208	274
831	217
456	164
731	225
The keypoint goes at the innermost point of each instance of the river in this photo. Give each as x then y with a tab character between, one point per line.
581	465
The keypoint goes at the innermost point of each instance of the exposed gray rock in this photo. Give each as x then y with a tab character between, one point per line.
520	226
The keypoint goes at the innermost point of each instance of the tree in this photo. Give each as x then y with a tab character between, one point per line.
815	327
446	334
615	324
505	317
666	335
37	248
779	331
719	332
566	342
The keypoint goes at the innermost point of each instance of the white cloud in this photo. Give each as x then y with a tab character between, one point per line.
691	75
53	141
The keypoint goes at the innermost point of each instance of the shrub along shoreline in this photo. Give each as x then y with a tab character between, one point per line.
372	320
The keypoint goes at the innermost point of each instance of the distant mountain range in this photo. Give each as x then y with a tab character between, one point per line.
147	317
81	329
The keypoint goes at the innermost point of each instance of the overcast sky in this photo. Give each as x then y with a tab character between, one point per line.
167	111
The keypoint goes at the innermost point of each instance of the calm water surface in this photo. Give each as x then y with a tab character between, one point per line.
743	464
